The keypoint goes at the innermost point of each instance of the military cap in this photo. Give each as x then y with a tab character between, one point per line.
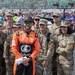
37	17
56	15
8	14
28	20
15	25
43	21
65	24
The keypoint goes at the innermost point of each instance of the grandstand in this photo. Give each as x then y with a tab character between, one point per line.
36	4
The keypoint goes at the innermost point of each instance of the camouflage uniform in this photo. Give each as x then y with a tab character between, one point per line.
7	51
8	31
54	30
8	55
46	53
65	49
8	24
35	29
2	60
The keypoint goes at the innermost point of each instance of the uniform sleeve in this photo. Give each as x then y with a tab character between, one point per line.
15	48
6	48
4	37
70	45
36	49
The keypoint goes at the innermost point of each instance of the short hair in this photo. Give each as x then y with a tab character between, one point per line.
70	31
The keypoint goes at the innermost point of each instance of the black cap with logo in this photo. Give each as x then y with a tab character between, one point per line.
28	20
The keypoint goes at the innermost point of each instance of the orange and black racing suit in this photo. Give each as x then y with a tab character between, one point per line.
25	45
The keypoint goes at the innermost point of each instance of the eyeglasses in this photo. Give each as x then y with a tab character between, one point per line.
36	19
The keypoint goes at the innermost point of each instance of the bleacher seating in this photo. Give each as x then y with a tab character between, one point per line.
35	3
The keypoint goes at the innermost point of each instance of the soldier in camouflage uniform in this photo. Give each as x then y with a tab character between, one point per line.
44	59
2	60
54	30
65	50
36	24
8	23
9	57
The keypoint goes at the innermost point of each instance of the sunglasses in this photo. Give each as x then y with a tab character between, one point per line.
55	16
36	19
63	27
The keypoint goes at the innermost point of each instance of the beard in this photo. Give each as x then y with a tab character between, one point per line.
27	29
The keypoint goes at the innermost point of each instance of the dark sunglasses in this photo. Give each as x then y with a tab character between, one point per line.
36	19
55	16
63	27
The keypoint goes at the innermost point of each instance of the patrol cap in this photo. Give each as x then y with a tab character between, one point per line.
43	21
65	24
37	17
8	14
56	15
16	25
28	20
